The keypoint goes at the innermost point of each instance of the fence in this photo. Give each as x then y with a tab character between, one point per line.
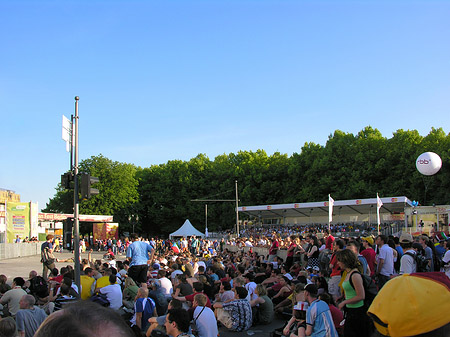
13	250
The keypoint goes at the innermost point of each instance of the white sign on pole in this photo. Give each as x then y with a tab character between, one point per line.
67	132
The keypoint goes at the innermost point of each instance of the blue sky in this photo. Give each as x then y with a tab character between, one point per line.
163	80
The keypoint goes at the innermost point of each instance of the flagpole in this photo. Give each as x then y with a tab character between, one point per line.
378	213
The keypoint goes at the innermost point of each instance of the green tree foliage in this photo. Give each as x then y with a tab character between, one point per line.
348	167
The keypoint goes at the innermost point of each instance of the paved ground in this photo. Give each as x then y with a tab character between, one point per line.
23	265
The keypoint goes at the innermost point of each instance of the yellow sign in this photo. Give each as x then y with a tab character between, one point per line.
17	220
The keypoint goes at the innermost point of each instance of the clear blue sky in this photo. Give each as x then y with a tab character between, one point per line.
163	80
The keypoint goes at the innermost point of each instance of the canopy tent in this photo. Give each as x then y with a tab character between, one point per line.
391	205
186	230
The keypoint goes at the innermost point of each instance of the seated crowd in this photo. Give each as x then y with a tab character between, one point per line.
321	289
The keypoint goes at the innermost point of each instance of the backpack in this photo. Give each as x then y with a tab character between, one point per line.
421	262
324	261
38	287
370	288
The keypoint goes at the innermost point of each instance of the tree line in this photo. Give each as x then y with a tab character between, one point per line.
158	199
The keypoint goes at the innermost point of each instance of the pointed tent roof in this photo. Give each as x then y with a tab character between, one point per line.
186	230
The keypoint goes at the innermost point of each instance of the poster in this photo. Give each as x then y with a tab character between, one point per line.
105	231
17	220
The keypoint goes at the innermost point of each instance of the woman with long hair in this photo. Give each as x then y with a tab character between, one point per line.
357	323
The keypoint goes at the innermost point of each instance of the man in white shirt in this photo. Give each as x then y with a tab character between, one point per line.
408	260
166	284
204	319
113	293
385	261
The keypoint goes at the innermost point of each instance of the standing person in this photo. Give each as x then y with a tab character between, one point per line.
335	276
319	322
423	240
408	260
274	248
139	253
329	239
291	251
369	253
385	261
356	321
47	258
29	317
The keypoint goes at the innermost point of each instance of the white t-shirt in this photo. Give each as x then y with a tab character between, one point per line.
206	323
166	285
114	295
387	255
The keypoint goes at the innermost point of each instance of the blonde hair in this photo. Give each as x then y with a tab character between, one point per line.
261	290
201	299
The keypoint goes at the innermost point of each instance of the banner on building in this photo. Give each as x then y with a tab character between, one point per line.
17	220
105	231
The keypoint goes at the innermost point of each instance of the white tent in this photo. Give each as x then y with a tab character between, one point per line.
186	230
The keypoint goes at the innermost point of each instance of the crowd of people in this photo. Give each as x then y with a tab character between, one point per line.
322	286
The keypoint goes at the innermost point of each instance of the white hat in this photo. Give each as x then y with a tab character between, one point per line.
303	306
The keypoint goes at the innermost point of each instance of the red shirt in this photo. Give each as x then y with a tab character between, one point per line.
273	250
336	270
190	298
369	254
329	242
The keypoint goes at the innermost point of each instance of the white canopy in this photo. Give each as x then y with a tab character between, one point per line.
187	230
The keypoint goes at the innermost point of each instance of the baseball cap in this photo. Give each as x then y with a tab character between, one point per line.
369	239
316	268
156	266
406	238
403	304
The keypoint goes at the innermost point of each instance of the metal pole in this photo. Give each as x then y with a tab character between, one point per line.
206	216
76	239
237	211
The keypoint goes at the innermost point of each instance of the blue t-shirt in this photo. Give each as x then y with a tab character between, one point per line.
319	317
147	311
139	252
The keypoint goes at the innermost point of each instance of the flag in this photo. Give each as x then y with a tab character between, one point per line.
330	208
175	248
379	202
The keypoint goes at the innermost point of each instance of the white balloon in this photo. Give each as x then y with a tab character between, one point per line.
428	163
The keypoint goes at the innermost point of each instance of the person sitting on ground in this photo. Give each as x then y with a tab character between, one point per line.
129	293
8	327
62	299
12	297
29	317
144	308
4	287
235	315
113	293
198	287
158	322
83	319
177	323
203	317
296	326
225	293
157	294
262	306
